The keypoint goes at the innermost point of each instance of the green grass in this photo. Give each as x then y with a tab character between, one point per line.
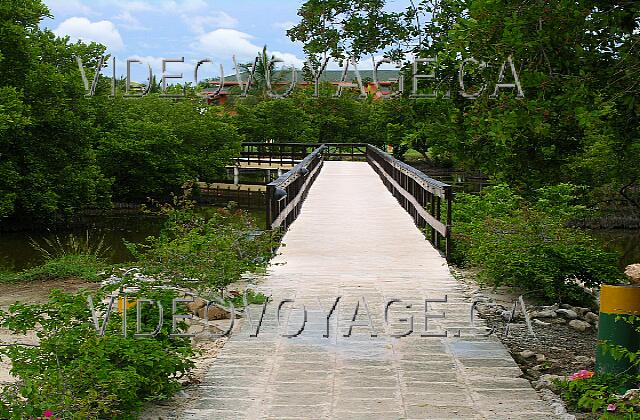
253	298
413	156
83	266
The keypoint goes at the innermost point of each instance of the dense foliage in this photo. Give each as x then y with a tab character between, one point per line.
606	394
78	374
577	61
206	253
530	245
61	152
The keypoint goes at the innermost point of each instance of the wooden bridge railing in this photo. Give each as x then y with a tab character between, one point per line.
285	195
293	153
270	153
421	196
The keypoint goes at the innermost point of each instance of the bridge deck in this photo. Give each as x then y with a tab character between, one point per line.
353	240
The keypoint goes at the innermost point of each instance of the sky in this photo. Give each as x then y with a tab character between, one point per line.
150	30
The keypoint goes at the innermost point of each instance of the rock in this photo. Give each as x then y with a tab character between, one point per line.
566	306
591	318
581	311
525	354
506	315
540	358
214	312
559	321
583	359
633	272
578	325
195	305
540	323
631	394
567	313
547	382
546	313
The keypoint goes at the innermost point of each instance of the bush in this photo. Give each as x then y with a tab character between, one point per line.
206	253
81	266
601	394
530	244
78	374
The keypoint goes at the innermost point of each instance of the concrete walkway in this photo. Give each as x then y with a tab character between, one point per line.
354	241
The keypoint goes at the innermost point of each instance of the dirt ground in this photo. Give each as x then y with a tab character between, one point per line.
31	292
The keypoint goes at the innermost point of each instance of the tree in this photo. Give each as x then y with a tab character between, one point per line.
46	154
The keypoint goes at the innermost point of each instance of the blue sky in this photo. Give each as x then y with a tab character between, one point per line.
194	29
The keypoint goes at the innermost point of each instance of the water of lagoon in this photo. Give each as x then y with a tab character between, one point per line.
17	252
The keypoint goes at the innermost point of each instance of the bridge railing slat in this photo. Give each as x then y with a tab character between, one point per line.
286	194
420	195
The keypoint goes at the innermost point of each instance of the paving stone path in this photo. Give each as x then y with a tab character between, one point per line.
354	241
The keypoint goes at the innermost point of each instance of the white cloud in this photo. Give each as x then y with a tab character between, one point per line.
61	8
223	43
130	22
80	28
288	59
201	24
286	25
185	6
141	71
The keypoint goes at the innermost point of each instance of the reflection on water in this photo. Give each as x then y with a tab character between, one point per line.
16	251
625	241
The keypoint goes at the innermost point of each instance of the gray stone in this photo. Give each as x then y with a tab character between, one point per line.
540	357
567	313
546	313
581	311
631	394
506	315
633	272
541	323
547	382
584	359
578	325
525	354
591	318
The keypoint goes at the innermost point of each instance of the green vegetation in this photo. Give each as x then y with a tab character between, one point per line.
600	394
72	257
206	254
604	394
81	266
577	61
79	374
529	244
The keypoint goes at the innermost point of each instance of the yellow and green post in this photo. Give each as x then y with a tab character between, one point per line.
617	302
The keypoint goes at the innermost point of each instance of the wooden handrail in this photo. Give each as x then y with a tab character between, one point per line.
420	195
286	194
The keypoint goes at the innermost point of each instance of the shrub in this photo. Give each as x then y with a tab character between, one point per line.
530	244
206	253
67	266
600	394
78	374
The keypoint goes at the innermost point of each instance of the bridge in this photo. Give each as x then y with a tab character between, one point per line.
365	319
